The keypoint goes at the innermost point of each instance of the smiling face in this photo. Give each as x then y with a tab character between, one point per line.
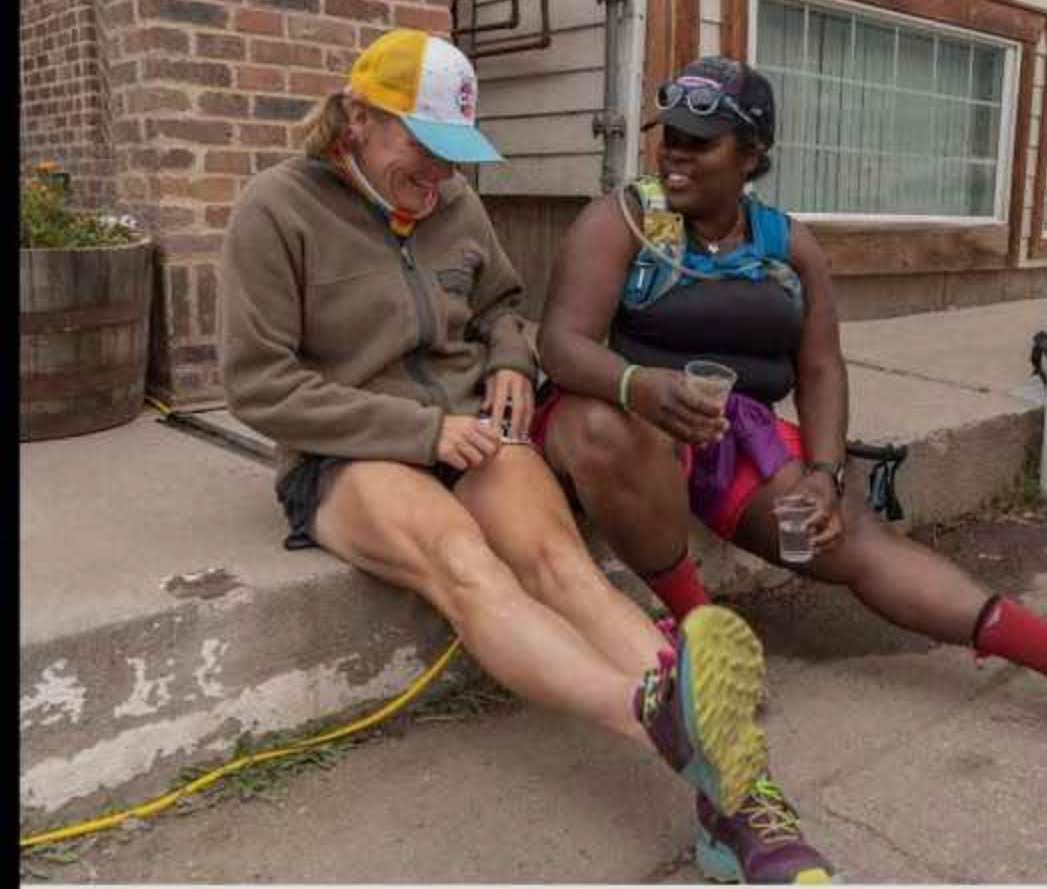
702	177
403	171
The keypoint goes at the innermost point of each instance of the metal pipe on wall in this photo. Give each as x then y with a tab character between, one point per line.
618	123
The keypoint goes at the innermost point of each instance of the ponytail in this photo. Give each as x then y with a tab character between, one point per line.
324	125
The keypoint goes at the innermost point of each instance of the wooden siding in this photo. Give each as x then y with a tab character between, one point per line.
1036	190
537	106
531	229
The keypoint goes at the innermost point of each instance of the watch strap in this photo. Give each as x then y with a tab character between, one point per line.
833	470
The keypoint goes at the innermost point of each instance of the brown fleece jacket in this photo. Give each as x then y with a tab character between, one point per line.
339	340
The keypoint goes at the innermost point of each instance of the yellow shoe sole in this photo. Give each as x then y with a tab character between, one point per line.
721	671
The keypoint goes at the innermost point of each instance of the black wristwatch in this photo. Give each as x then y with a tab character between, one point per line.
833	470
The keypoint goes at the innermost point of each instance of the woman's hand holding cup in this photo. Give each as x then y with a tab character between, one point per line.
674	403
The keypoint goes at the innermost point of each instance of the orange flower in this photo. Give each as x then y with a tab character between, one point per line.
44	168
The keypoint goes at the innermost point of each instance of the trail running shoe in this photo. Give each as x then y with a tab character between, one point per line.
761	843
699	706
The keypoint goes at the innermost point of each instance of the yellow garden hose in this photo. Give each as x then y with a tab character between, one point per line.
159	405
153	807
157	805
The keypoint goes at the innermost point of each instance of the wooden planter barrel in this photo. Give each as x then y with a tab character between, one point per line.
84	338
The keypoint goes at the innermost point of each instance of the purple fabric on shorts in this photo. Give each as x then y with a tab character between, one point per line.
753	432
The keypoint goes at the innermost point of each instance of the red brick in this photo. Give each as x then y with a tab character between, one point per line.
166	39
424	19
217	216
235	162
256	134
161	159
211	132
163	187
220	46
177	279
259	21
203	73
281	108
206	298
323	30
308	83
127	131
123	73
213	189
169	218
272	52
156	98
297	5
358	10
250	77
193	12
192	244
224	104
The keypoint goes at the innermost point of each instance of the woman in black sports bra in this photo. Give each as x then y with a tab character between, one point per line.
631	300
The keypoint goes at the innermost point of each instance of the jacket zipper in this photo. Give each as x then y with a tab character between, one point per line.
414	362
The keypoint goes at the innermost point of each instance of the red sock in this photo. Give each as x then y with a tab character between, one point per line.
679	587
1007	629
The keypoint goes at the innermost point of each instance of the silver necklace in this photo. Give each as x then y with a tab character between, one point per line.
714	246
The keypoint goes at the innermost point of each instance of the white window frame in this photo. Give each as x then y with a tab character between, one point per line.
1008	113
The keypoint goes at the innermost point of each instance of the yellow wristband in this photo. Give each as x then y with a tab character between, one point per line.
623	385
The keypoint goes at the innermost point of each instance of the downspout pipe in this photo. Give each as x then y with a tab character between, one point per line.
619	121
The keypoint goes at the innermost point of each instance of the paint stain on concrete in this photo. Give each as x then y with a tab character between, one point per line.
284	701
148	695
209	584
56	698
207	675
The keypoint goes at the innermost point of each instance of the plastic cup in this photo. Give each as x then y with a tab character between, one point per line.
711	379
793	512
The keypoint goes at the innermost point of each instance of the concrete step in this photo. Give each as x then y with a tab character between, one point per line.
161	618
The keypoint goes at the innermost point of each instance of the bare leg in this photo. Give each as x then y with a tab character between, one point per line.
401	525
901	580
525	516
628	477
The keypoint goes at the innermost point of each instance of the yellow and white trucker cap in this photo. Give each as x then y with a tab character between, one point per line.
431	86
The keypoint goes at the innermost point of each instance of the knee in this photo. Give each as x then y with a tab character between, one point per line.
605	442
866	545
469	574
557	565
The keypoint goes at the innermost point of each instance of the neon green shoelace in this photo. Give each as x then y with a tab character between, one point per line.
769	814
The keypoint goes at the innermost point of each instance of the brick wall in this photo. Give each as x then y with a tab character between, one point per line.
63	97
198	96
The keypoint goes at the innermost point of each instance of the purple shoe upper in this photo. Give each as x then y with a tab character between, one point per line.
658	710
764	835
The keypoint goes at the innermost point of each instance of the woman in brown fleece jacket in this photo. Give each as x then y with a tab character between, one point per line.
368	325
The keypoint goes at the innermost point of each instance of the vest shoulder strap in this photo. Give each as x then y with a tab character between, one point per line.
661	227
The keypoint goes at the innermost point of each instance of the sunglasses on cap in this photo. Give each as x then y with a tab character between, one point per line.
701	96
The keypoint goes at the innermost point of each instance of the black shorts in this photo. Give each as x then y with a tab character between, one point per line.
303	489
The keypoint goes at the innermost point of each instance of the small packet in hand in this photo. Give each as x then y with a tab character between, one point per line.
505	430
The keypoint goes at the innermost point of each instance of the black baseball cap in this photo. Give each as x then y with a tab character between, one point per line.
749	89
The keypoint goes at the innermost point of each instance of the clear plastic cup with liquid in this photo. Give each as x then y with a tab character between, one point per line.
711	379
793	512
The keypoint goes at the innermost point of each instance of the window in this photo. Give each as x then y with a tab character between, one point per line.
880	114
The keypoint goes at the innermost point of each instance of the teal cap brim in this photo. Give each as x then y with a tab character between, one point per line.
457	143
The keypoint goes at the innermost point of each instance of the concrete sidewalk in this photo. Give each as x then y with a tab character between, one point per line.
161	618
906	764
